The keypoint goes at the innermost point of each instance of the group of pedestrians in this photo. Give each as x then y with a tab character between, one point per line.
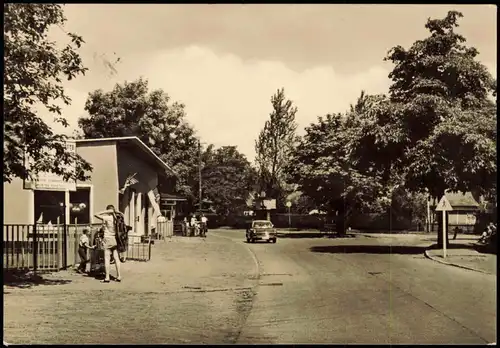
195	226
112	239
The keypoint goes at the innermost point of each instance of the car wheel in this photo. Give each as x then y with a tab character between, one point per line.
248	240
274	240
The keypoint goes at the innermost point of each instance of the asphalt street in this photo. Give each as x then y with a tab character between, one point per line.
299	290
364	290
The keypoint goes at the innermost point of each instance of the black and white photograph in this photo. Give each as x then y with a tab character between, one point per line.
249	174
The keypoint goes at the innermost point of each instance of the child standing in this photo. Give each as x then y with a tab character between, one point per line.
83	245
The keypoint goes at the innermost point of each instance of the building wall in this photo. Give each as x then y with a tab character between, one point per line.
459	217
104	178
130	163
17	203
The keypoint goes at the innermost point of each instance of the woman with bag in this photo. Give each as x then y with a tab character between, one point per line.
108	218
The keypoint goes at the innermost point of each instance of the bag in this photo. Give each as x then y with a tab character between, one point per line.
121	233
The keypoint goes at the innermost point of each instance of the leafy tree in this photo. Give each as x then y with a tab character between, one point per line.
227	178
301	203
322	165
437	130
274	145
131	110
34	70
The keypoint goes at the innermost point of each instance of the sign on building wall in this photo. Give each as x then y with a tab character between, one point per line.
50	181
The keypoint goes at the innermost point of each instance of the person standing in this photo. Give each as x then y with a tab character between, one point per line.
185	226
204	222
192	225
83	245
108	218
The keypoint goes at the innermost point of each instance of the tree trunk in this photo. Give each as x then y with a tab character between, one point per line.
340	221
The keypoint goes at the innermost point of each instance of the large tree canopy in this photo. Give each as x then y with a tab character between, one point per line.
34	70
437	129
441	94
131	110
227	179
324	168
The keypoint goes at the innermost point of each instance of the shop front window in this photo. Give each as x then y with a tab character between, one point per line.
79	207
49	207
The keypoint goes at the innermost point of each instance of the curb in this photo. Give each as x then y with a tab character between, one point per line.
453	264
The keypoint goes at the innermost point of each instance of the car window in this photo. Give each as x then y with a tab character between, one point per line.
262	224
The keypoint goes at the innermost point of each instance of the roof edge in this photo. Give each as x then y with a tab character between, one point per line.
135	139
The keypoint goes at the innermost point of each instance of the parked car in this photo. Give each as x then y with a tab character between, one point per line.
261	230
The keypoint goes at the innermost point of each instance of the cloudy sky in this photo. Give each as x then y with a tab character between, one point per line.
225	61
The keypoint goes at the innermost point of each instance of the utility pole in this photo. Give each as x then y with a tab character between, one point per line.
199	175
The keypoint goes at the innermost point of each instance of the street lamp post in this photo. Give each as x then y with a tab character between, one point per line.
199	177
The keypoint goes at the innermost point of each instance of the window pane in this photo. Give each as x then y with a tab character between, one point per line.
79	208
49	207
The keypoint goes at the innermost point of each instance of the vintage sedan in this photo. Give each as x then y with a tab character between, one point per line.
261	230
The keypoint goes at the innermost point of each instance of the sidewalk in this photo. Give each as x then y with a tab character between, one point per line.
187	292
178	264
466	257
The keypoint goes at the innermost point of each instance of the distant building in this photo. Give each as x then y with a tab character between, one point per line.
465	208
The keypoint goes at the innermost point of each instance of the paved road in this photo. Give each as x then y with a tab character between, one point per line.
192	291
360	290
299	290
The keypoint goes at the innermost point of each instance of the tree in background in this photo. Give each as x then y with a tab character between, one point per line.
131	110
274	145
34	70
437	131
301	203
323	167
227	178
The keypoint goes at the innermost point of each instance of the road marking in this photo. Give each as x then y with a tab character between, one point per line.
275	274
271	284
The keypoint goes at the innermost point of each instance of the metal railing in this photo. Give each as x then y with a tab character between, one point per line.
40	247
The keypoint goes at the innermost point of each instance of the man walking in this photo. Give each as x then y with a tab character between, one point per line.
108	218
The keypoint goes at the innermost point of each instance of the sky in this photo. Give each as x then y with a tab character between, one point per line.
224	62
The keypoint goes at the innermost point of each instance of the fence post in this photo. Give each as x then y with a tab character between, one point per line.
22	244
66	244
60	250
35	248
6	249
75	256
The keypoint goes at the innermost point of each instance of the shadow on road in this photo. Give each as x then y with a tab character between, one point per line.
378	249
24	280
315	235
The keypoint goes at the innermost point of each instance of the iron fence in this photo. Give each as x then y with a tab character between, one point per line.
39	247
